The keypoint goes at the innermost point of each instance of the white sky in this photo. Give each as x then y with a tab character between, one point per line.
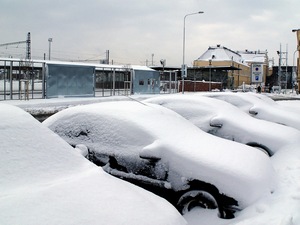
133	30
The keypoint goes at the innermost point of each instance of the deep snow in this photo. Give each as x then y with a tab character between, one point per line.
43	180
282	207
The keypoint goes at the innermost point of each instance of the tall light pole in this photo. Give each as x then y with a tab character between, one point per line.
294	75
50	40
298	61
209	86
184	67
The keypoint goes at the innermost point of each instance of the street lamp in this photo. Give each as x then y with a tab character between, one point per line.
184	67
298	49
294	71
50	40
209	87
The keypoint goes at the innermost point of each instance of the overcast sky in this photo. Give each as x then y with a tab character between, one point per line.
133	30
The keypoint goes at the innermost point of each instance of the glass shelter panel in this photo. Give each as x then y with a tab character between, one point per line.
69	80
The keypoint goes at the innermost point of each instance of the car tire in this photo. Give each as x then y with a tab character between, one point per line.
205	195
196	198
261	147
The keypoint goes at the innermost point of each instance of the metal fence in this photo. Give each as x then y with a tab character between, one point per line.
112	81
21	79
24	80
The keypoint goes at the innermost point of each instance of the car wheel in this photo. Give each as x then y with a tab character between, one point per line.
261	147
263	150
196	198
207	196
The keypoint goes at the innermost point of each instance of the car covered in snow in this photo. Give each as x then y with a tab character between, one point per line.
43	180
224	120
292	105
259	106
159	150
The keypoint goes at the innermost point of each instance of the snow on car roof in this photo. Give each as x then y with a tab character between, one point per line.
43	180
236	124
234	168
258	105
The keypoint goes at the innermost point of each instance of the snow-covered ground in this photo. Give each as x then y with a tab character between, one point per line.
282	207
43	180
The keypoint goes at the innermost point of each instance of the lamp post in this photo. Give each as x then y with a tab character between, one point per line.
49	40
184	67
209	86
294	76
298	49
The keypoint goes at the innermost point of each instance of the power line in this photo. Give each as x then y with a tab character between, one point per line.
27	42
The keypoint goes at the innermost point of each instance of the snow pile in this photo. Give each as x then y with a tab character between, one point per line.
45	181
282	207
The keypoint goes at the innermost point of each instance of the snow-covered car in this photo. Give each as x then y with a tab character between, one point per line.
292	105
157	149
44	181
259	107
224	120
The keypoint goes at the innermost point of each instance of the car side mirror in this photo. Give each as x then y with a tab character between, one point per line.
253	111
151	158
152	152
216	122
82	149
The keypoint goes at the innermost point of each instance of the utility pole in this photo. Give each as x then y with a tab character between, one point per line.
298	60
152	59
26	67
283	57
28	46
286	67
107	56
27	42
49	40
279	68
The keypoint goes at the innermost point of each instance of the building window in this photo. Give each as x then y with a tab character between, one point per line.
141	82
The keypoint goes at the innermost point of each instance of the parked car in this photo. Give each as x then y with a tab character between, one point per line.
292	105
259	108
157	149
44	181
224	120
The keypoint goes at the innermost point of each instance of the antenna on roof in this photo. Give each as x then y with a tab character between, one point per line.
136	100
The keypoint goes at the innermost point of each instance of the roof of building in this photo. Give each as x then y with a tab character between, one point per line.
253	56
221	53
38	63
